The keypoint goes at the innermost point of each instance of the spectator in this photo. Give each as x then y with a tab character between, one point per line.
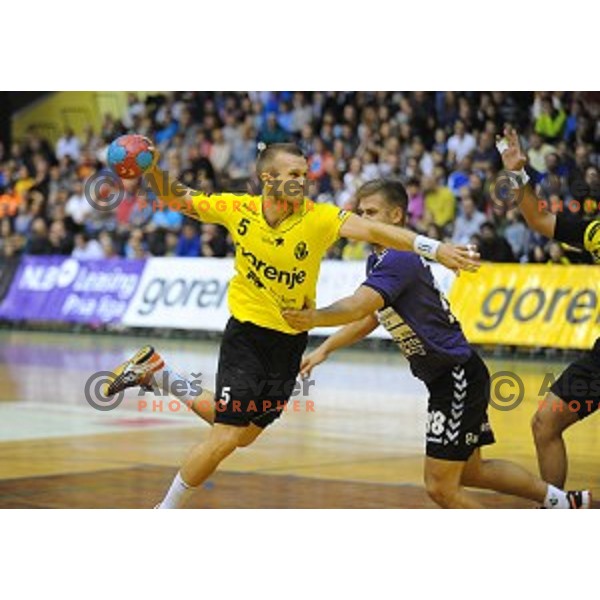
109	247
538	150
86	248
423	158
440	202
9	202
243	155
220	152
135	110
416	203
440	145
166	219
214	241
492	247
285	118
24	182
353	179
552	182
125	208
135	246
143	210
551	121
171	243
460	178
189	243
461	144
78	207
59	238
320	161
485	155
302	112
517	234
468	222
38	242
272	133
68	146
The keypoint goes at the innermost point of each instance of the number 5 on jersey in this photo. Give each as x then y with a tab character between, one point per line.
243	226
225	395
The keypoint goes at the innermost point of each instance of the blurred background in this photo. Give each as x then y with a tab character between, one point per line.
440	144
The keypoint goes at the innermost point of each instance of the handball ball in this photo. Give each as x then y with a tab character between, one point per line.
129	156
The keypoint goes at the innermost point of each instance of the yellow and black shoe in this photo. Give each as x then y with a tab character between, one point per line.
137	371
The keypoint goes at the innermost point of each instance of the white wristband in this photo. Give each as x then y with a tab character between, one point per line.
519	178
426	247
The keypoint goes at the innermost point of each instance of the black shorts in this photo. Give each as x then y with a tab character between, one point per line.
457	419
257	373
579	384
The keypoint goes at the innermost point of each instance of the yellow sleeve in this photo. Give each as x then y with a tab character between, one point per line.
217	208
329	220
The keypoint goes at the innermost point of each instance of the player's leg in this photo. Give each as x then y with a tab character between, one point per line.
499	475
147	369
248	357
203	460
502	476
222	441
443	484
455	412
458	426
575	395
509	478
548	425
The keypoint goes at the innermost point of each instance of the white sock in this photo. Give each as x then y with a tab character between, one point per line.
174	384
555	498
178	493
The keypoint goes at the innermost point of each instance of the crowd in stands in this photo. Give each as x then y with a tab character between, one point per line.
440	144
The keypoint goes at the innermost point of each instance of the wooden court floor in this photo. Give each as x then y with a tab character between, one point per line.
360	446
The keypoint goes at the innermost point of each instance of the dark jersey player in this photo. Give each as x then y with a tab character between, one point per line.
401	294
579	382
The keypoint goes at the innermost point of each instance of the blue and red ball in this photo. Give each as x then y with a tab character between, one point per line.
130	156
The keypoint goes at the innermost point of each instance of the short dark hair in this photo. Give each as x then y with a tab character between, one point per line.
268	153
391	189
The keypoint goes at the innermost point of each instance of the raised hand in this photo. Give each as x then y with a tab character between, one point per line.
513	157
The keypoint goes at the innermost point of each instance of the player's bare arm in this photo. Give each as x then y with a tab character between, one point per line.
574	232
176	195
364	302
389	236
346	336
514	160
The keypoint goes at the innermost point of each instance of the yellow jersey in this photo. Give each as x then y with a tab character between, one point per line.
275	267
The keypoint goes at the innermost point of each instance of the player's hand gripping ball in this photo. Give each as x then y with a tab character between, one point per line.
130	156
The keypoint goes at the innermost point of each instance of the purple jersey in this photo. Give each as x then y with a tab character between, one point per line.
416	313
